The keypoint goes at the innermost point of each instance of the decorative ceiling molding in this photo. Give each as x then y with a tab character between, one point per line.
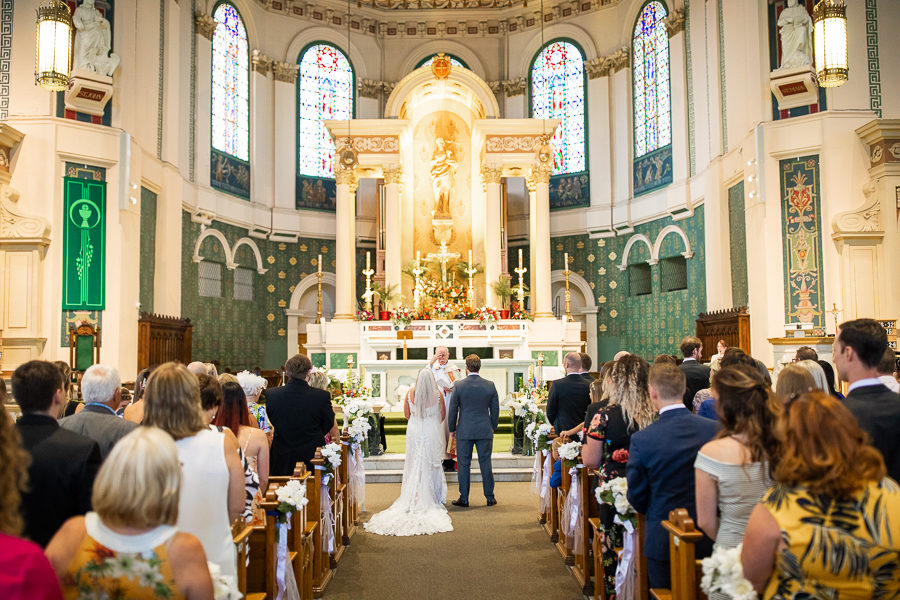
605	65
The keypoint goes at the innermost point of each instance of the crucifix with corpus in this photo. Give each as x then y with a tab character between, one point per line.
443	257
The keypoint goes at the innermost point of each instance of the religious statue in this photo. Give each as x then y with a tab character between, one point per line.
93	40
444	164
795	27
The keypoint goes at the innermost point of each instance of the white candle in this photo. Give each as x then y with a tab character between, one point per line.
566	265
470	259
418	255
367	260
520	258
320	263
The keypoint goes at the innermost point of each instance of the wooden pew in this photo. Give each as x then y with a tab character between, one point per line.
240	533
544	516
552	525
322	570
307	523
349	514
562	492
683	565
584	564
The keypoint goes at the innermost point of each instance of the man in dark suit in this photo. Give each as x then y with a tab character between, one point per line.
857	349
473	418
586	363
696	374
63	464
101	390
301	416
569	396
660	468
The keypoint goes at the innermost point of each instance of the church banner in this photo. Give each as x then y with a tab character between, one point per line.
801	222
84	238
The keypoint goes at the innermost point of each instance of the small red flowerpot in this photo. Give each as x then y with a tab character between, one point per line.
384	315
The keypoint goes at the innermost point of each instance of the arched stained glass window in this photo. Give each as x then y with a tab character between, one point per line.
652	105
325	92
455	61
230	84
557	92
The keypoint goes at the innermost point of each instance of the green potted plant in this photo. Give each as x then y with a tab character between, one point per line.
387	295
503	290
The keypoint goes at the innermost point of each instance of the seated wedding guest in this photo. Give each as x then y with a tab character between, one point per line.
596	400
827	528
660	467
818	375
858	348
627	410
794	380
586	363
731	357
829	377
721	347
319	380
805	353
886	368
696	374
301	416
212	482
135	411
665	358
732	471
128	547
210	397
25	573
252	441
569	396
101	390
72	405
126	397
63	464
253	385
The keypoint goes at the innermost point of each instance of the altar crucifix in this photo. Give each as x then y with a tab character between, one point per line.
443	257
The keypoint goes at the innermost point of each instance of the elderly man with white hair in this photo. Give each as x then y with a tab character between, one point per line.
101	388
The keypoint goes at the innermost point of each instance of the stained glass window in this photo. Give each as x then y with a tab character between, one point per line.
557	92
453	61
652	106
325	91
230	84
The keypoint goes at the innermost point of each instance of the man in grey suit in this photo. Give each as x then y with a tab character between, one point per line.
473	418
101	390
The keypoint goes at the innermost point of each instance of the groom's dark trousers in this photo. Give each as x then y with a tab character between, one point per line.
474	415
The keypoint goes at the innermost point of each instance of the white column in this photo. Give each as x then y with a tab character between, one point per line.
540	245
285	134
492	267
204	27
345	245
392	235
532	233
261	128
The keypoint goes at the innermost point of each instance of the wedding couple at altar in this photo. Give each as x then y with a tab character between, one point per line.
468	409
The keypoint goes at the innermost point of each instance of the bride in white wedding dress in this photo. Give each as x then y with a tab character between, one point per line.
420	508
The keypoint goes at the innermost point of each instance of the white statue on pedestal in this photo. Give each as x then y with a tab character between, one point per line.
795	27
93	40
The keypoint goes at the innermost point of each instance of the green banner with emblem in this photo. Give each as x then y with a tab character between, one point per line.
84	244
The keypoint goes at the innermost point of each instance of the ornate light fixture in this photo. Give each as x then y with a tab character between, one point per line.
830	42
53	51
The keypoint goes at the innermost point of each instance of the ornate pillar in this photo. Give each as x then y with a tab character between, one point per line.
284	135
345	244
261	113
204	28
392	237
492	227
540	244
532	210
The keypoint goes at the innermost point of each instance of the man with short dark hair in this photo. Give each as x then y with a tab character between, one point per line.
301	416
101	390
660	468
586	363
569	396
886	370
806	353
857	349
696	374
63	463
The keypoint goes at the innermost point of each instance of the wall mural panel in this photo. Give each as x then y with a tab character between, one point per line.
316	193
229	174
801	223
570	191
148	249
737	236
653	170
84	238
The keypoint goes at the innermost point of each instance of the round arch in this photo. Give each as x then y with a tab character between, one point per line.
226	248
295	315
636	238
310	281
564	31
245	241
460	77
633	13
670	229
246	11
447	46
313	35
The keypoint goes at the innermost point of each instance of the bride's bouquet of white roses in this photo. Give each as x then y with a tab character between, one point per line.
615	493
569	453
291	498
723	572
332	455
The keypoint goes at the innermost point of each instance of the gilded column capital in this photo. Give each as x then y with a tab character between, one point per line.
540	174
346	177
285	71
205	25
261	63
392	175
674	22
491	174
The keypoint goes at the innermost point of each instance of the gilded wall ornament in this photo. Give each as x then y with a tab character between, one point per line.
285	71
205	25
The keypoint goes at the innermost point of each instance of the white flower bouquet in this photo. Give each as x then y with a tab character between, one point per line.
357	407
569	453
224	586
291	497
615	493
359	430
723	572
332	455
538	432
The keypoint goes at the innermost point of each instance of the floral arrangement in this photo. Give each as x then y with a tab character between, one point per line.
539	432
403	315
569	453
291	498
486	314
532	389
466	313
365	315
351	388
355	407
359	430
615	493
332	455
723	572
521	315
225	587
442	310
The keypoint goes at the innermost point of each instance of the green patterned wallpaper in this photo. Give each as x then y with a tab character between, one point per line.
737	236
148	249
243	334
646	325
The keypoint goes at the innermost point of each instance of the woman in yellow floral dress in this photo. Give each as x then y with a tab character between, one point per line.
830	525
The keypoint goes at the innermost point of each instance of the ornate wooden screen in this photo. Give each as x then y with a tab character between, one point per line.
731	325
163	339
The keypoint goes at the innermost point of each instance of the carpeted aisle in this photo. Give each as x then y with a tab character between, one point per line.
493	553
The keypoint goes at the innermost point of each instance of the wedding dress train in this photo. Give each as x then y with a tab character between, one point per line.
420	508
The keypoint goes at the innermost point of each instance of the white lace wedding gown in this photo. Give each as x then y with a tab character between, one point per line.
420	508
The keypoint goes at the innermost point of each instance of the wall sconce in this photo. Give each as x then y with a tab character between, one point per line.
55	36
830	42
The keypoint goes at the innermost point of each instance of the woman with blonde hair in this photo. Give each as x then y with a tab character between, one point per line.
129	546
794	380
818	374
212	489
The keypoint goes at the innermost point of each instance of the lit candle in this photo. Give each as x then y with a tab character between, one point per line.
320	263
470	259
367	260
418	255
520	258
566	264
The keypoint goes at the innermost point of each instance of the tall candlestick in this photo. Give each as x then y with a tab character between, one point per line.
368	256
470	258
520	258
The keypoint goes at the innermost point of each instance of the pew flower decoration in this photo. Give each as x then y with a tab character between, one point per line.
723	572
524	407
569	453
291	498
356	407
615	493
359	430
539	432
224	586
332	455
403	315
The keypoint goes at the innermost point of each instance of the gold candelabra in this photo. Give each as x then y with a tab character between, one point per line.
567	272
319	291
520	290
470	293
368	272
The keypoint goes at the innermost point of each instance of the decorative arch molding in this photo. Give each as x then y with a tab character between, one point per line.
245	241
448	47
312	35
670	229
636	238
560	31
227	249
310	281
247	12
463	77
579	282
633	14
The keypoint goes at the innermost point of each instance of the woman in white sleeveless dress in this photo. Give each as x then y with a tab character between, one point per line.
420	508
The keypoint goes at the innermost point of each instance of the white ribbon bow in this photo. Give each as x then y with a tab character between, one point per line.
545	481
625	570
281	557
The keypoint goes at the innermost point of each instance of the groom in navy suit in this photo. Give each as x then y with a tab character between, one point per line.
660	467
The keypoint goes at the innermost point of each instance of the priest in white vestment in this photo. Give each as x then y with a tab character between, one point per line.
445	374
